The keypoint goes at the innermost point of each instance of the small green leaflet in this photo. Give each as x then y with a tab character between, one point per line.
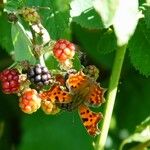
22	44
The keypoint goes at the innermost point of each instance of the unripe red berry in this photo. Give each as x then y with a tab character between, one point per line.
10	81
63	50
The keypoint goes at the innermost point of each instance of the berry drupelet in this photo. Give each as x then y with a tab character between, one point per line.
39	75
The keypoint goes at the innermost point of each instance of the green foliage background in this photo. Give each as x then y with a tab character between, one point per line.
65	131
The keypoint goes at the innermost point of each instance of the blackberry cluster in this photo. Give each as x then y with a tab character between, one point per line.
39	75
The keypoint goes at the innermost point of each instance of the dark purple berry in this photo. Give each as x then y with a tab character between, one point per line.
39	75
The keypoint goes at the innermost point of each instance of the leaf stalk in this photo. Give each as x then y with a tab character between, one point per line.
111	96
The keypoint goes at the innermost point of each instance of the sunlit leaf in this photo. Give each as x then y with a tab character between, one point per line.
22	44
107	10
125	20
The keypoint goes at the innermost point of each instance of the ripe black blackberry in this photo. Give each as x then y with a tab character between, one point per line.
39	75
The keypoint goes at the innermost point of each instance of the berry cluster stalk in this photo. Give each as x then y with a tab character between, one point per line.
111	96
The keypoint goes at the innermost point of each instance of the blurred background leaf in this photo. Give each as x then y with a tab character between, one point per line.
5	33
140	140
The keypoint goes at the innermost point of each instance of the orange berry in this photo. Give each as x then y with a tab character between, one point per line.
29	101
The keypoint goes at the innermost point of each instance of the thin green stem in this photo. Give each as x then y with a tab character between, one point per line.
111	96
42	61
11	66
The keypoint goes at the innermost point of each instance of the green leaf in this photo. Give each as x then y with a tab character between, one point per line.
55	17
22	44
5	33
139	140
76	62
13	5
42	132
107	10
51	62
57	22
139	47
83	13
147	16
89	19
91	41
107	42
132	109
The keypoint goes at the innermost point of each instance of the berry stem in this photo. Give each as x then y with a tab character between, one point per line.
111	96
33	35
42	62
